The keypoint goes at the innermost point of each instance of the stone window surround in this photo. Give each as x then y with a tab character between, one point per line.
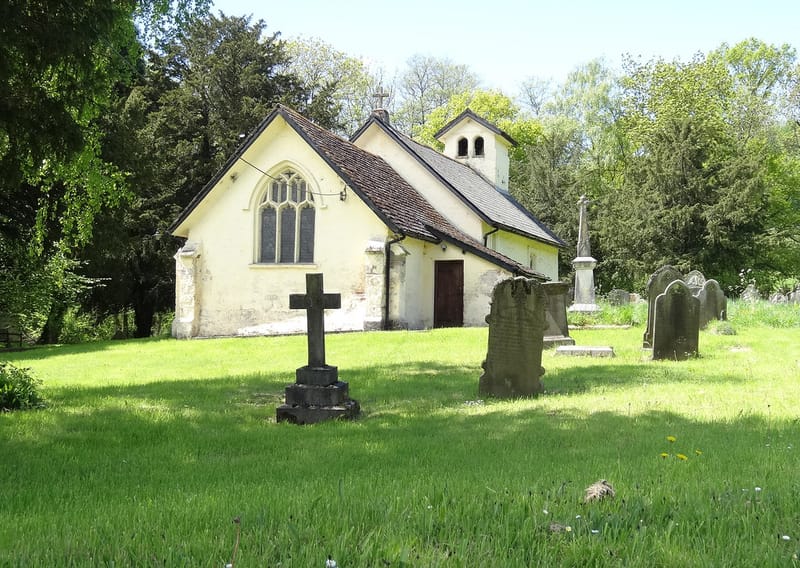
298	197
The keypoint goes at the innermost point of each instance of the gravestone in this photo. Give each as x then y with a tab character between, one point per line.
584	263
794	295
656	285
617	297
695	280
713	303
317	393
750	294
778	298
517	320
676	328
557	331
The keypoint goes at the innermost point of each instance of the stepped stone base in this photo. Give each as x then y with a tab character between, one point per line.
312	414
584	351
316	396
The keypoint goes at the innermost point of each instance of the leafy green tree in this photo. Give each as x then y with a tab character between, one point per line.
60	63
332	75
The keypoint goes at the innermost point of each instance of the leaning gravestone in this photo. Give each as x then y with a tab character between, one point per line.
317	394
658	282
557	331
713	303
778	298
695	281
517	320
676	328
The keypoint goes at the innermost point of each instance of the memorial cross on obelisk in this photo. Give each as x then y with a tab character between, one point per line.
315	302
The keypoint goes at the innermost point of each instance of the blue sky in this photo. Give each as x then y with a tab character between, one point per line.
507	41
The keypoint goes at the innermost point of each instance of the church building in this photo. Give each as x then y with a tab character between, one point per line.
410	237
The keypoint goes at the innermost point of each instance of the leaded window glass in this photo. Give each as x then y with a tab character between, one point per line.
287	219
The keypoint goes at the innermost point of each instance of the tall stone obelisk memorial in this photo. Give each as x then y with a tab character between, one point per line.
584	265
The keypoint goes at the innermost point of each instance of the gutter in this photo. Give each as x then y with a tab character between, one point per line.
387	253
486	236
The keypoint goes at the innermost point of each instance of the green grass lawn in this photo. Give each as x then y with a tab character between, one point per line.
149	449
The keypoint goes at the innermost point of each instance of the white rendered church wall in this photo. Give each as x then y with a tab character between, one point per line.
445	201
240	297
532	254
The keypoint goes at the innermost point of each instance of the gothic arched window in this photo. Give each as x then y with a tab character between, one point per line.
286	216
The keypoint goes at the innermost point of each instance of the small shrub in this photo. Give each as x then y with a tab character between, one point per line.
19	390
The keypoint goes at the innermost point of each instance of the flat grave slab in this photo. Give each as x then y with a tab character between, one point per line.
584	351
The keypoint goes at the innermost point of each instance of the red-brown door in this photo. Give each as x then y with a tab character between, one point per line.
448	293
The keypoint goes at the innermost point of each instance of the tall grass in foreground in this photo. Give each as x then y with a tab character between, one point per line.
149	449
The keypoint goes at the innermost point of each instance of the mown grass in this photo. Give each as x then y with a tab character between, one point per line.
149	449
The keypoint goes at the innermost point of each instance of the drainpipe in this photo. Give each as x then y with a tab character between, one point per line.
388	254
486	236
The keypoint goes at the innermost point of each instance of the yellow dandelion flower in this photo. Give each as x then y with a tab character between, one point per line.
698	452
681	457
671	439
664	455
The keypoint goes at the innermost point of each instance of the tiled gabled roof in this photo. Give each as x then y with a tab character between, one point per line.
391	198
492	204
480	120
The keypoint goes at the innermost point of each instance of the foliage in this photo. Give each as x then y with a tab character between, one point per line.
19	390
428	83
332	75
633	314
155	446
61	66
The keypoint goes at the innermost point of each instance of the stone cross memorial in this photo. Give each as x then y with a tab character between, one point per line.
317	393
517	320
584	265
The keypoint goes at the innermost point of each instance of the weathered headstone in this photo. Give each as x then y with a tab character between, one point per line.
750	294
317	393
557	331
695	280
794	295
517	320
778	298
658	282
617	297
584	265
676	329
713	303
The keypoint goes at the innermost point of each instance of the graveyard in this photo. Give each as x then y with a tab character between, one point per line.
163	453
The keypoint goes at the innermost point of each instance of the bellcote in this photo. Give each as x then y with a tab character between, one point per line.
474	141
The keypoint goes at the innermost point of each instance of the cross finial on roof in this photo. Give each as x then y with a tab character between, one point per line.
379	96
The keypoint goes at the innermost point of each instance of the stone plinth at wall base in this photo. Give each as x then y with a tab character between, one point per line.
551	341
584	351
584	308
314	414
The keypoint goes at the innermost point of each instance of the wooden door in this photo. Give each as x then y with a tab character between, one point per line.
448	293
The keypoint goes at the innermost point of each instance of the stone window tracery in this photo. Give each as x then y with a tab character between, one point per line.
286	221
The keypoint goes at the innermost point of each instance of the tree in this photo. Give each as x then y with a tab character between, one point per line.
692	193
59	66
334	76
428	83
